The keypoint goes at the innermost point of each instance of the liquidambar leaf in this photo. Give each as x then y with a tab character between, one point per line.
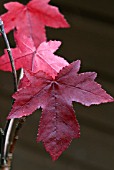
31	19
27	56
58	124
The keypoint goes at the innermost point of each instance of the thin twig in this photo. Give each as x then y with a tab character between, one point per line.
18	125
10	54
7	148
16	135
9	123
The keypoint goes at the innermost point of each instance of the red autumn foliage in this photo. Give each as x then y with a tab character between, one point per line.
58	124
49	81
27	56
31	19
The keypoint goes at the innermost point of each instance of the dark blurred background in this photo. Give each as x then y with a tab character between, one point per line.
90	39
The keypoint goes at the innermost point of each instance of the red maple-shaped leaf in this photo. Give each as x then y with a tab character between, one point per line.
27	56
58	124
31	19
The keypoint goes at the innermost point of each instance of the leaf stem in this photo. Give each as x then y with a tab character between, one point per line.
9	123
9	53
